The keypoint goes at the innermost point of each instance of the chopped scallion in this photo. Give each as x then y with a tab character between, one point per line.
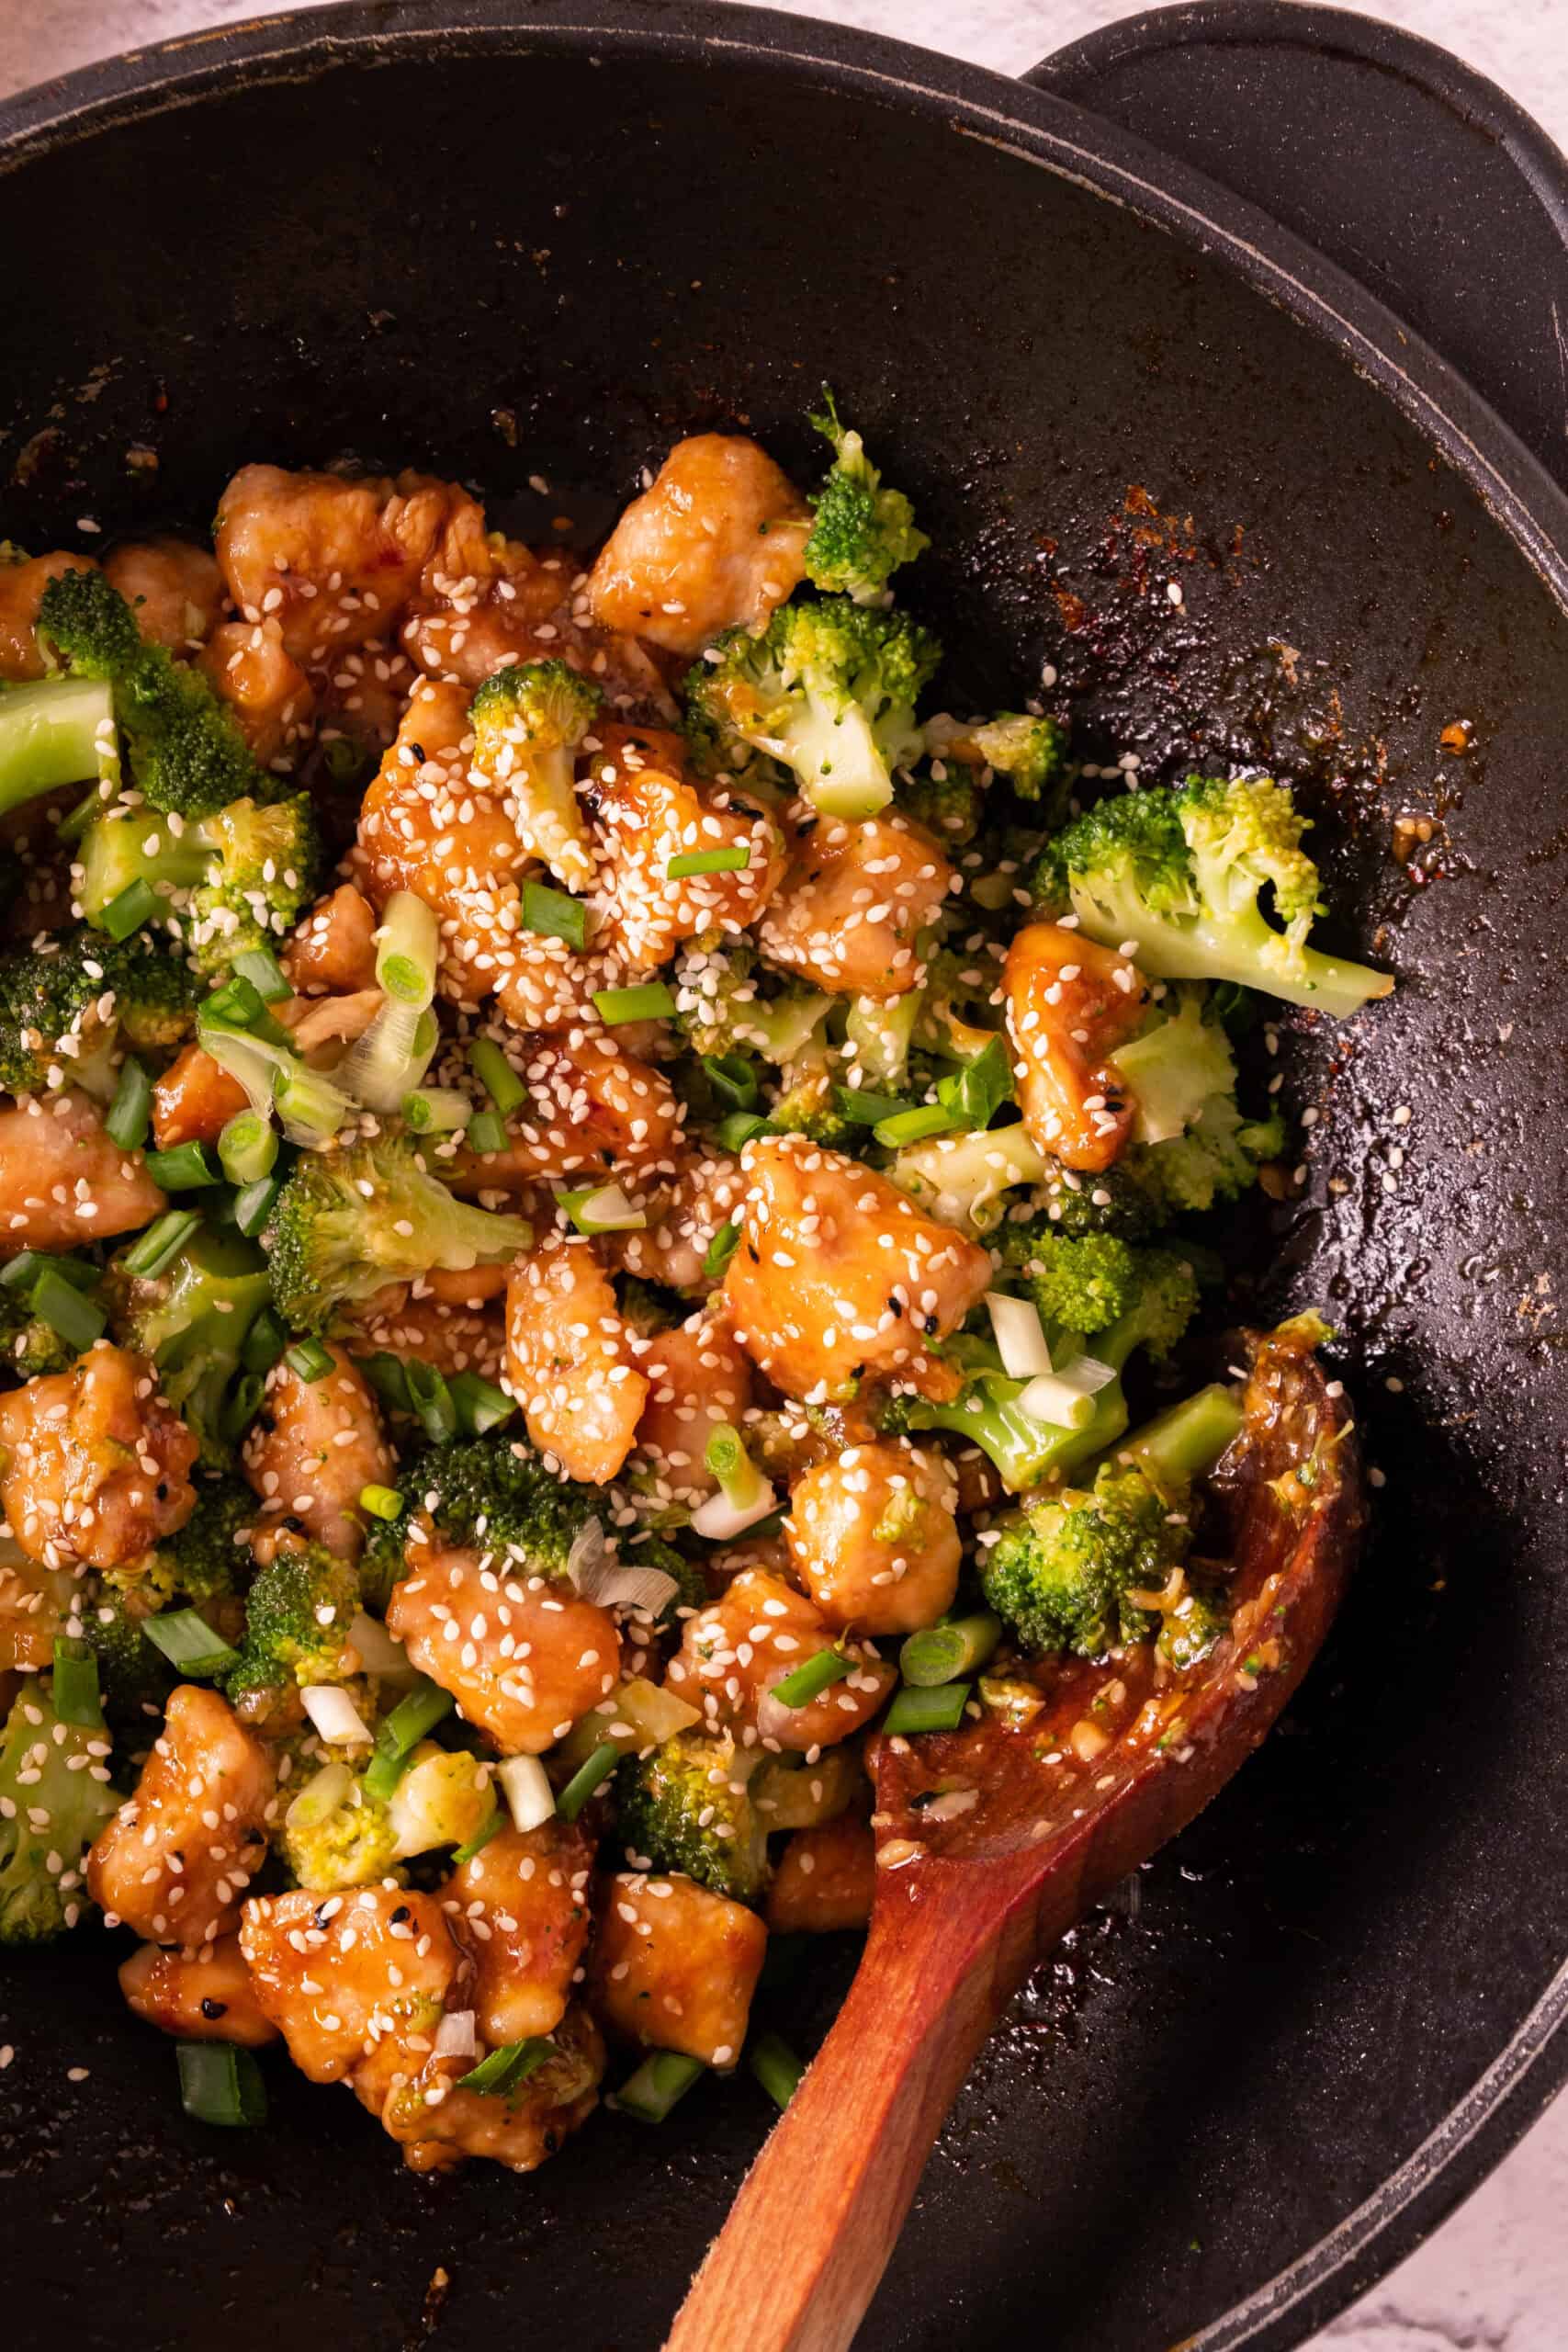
483	1836
189	1642
941	1709
809	1681
253	1205
437	1110
496	1075
408	947
664	2076
910	1127
309	1361
382	1502
130	1114
241	1406
161	1244
75	1688
61	1306
737	1129
775	2066
506	2068
220	2084
265	973
720	1251
939	1654
862	1108
733	860
486	1133
247	1148
733	1080
554	915
431	1400
186	1168
264	1342
586	1779
481	1404
127	913
400	1734
650	1001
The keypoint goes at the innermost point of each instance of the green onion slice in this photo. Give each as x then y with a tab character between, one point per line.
186	1168
161	1244
481	1404
506	2068
720	1251
247	1148
664	2076
650	1001
928	1709
775	2066
189	1643
127	913
130	1114
586	1779
809	1681
60	1305
309	1361
554	915
733	860
220	2084
75	1688
400	1734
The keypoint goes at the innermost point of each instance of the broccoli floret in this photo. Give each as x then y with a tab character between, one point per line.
70	1007
1218	1159
187	753
961	1178
650	1308
48	1816
949	803
806	1102
528	721
28	1346
1077	1284
192	1322
491	1491
298	1614
134	1677
828	689
225	883
348	1222
1179	875
1191	1626
686	1808
726	1001
209	1557
1179	1063
1115	1201
1060	1573
1031	751
863	533
335	1834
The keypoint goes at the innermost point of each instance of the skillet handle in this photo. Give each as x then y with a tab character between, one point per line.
1410	170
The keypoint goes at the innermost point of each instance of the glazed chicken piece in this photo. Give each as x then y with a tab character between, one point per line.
356	1982
319	1444
824	1879
194	1099
697	1378
1070	1003
94	1467
201	1996
333	562
718	542
758	1631
62	1181
21	591
647	814
853	903
439	2127
593	1109
35	1604
428	1331
568	1360
333	952
838	1277
684	1219
178	1855
523	1658
482	598
247	663
675	1967
874	1538
175	588
522	1905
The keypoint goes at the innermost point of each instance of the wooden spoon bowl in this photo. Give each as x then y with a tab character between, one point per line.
992	1840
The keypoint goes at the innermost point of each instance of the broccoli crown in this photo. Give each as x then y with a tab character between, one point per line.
1061	1572
493	1492
862	532
192	1322
650	1308
949	805
28	1346
134	1677
1080	1284
1180	873
726	1000
1120	1200
209	1557
807	1104
52	1808
187	753
1190	1628
335	1836
828	689
1217	1160
348	1222
686	1808
542	705
64	1006
1031	753
226	884
298	1613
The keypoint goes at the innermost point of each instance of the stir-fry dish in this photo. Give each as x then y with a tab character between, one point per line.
600	1205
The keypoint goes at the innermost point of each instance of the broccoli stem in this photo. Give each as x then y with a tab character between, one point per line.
60	730
1186	1441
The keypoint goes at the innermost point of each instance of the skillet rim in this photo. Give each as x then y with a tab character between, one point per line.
1044	131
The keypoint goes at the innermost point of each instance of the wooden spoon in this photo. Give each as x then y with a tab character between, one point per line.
991	1842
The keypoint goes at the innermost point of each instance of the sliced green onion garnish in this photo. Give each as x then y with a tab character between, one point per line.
185	1169
487	1132
241	1406
483	1836
60	1305
265	973
601	1209
407	947
586	1779
382	1502
127	913
776	2067
388	1375
910	1127
505	2069
253	1205
220	2084
481	1404
130	1114
720	1251
737	1129
496	1075
664	2076
189	1643
437	1110
939	1654
941	1709
264	1342
309	1361
809	1681
733	1080
247	1148
862	1108
311	1107
239	1004
161	1244
554	915
977	1093
75	1689
22	1272
397	1737
732	860
650	1001
431	1400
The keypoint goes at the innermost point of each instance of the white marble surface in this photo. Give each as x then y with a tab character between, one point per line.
1496	2278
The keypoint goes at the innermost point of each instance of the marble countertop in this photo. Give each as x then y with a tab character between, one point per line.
1496	2278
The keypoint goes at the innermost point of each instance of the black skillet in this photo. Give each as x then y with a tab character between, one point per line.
519	240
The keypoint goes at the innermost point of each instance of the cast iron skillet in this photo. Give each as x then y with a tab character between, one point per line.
520	241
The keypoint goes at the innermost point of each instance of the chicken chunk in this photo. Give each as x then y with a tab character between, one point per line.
176	588
522	1903
646	814
568	1360
201	1996
675	1967
523	1659
64	1181
874	1538
439	2127
482	598
1070	1003
718	542
697	1378
250	667
824	1879
333	562
177	1857
319	1445
853	904
759	1630
94	1467
683	1220
193	1099
21	592
838	1278
333	952
428	1331
35	1604
593	1109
